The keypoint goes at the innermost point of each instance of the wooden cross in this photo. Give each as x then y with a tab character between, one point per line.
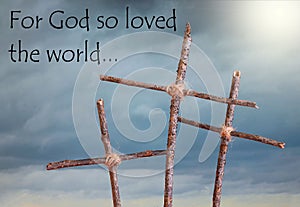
225	133
177	92
111	160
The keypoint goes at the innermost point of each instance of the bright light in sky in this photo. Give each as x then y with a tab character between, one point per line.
277	16
272	20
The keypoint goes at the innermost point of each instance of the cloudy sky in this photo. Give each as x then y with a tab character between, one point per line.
48	110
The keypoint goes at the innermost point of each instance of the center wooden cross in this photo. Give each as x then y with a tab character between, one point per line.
177	92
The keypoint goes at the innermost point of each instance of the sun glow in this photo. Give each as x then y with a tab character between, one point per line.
273	19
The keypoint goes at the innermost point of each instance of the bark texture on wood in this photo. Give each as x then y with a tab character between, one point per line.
132	83
174	109
107	146
243	135
186	92
224	141
221	99
97	161
74	163
171	144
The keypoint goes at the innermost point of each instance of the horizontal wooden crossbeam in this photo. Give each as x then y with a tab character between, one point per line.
185	91
97	161
234	133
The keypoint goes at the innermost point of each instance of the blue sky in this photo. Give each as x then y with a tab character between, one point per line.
48	109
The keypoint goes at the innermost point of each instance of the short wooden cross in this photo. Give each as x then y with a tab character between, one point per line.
111	160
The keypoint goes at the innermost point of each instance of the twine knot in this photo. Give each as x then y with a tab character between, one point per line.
225	132
176	90
112	160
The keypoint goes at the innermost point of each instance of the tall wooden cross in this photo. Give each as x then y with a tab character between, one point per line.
177	92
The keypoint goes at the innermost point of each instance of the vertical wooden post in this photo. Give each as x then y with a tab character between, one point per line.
107	146
225	139
174	109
